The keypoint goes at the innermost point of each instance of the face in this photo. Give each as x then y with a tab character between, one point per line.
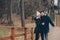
42	14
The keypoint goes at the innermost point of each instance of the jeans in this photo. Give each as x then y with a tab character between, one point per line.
43	35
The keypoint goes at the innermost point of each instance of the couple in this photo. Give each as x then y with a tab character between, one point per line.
42	26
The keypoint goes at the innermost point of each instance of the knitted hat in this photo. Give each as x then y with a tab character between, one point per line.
37	13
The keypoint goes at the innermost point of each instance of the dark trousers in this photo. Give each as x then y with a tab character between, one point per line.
43	35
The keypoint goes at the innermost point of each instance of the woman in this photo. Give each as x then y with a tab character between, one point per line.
37	28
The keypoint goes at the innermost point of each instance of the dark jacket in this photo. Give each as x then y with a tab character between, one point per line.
43	28
38	22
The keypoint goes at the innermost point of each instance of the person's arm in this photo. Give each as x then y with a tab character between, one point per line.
51	22
35	18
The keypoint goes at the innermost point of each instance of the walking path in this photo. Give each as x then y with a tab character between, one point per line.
54	33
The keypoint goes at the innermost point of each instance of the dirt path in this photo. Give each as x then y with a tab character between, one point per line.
54	34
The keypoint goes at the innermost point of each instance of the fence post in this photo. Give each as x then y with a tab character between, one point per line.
12	33
31	33
25	33
55	21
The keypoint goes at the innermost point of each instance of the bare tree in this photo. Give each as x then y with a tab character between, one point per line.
22	13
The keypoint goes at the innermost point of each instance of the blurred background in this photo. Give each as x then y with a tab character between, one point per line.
11	11
20	13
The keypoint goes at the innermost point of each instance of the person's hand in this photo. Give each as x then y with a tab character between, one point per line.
43	23
37	17
54	26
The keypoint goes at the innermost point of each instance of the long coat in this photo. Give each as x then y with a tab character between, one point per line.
38	22
43	28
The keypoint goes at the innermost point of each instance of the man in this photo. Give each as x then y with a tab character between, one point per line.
43	26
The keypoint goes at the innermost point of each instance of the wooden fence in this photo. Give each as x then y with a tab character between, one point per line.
57	20
12	37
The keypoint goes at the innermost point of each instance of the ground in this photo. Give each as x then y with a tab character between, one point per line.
54	33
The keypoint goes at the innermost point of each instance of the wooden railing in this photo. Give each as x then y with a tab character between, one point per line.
12	37
57	20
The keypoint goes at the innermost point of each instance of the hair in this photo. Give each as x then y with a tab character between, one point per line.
41	11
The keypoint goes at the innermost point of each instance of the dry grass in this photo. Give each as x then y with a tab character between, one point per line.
4	32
